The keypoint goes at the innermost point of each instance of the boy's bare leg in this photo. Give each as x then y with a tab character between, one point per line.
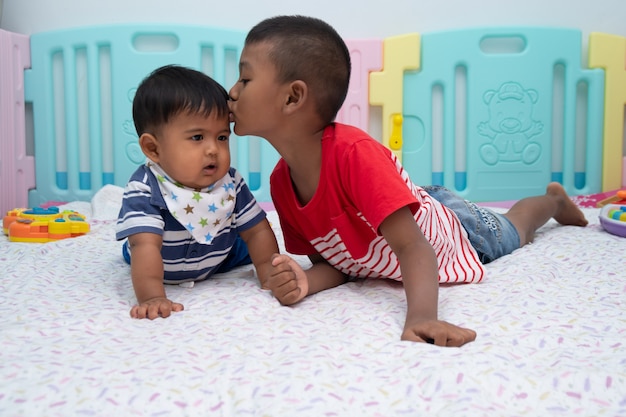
529	214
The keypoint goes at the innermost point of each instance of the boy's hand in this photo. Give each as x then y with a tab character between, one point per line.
438	332
287	280
155	307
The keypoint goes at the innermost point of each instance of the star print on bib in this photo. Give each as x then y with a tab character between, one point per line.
203	212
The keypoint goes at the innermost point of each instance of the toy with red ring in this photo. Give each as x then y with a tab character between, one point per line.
613	219
618	198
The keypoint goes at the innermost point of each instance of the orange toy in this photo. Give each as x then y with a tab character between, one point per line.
43	225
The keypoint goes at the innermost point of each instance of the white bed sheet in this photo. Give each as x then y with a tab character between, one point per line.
550	318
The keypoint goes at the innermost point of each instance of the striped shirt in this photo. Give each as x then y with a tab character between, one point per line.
144	211
361	183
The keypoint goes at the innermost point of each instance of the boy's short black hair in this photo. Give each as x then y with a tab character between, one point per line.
173	89
308	49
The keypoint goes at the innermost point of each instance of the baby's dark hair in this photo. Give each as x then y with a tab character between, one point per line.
171	90
308	49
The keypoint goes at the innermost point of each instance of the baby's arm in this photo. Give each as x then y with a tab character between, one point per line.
262	244
146	269
290	283
418	264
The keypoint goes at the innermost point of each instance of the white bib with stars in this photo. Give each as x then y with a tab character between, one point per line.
203	212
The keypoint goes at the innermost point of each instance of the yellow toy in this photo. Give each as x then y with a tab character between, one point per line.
43	225
395	141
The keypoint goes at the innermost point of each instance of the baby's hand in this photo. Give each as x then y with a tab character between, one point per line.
155	307
438	332
287	280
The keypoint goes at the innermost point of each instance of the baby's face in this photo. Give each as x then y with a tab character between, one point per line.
193	149
257	98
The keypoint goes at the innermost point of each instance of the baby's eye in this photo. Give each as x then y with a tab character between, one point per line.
222	138
197	137
244	81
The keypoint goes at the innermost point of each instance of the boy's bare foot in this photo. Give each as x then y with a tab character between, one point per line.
568	212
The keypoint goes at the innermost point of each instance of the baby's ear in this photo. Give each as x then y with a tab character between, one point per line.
149	146
297	95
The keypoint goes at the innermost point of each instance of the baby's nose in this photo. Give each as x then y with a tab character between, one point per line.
210	147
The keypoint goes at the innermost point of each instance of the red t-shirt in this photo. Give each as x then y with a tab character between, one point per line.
361	183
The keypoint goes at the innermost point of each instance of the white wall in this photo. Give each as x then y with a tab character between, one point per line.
352	18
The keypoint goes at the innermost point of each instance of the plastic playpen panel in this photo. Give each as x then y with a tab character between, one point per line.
486	112
366	55
608	52
495	114
17	169
82	84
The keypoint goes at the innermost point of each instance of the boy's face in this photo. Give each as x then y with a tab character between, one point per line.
256	98
193	149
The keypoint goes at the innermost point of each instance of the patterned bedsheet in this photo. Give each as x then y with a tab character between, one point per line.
550	318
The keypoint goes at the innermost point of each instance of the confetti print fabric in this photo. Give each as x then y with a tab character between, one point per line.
550	318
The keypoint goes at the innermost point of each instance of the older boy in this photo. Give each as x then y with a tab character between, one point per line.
344	200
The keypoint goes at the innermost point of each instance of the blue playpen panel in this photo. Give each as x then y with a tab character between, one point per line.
82	84
497	113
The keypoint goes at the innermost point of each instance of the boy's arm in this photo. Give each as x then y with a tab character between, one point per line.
322	275
146	269
280	273
419	267
290	283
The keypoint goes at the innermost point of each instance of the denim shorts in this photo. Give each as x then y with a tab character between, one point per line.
490	233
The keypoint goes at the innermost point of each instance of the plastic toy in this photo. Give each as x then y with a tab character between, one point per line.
43	225
613	219
618	198
395	141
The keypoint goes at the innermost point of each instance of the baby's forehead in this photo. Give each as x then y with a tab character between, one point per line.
214	114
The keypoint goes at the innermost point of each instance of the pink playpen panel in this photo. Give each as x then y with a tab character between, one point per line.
366	56
17	169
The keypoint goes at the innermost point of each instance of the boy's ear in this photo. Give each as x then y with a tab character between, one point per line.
149	146
298	94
